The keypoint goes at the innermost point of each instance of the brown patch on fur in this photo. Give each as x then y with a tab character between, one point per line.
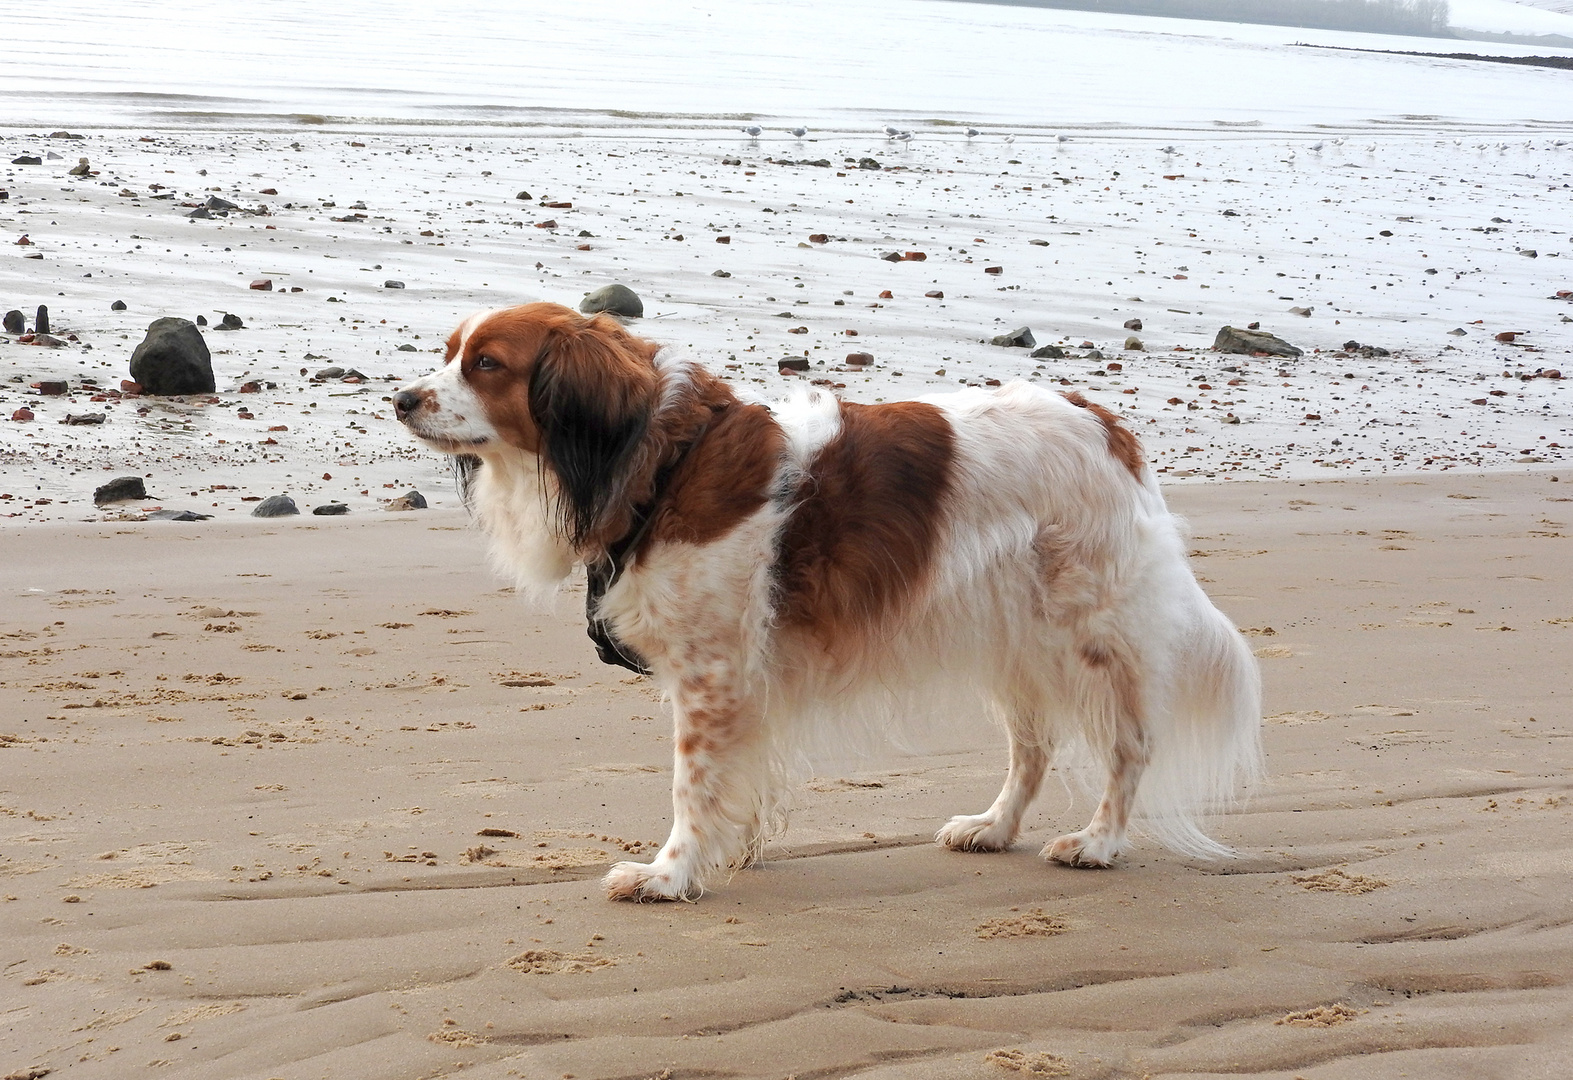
861	540
1122	443
724	479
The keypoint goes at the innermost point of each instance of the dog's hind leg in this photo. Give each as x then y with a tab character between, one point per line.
1113	705
996	827
723	789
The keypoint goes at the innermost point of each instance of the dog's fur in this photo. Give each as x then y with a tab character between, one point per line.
802	573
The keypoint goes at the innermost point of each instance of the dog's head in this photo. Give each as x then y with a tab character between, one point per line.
541	382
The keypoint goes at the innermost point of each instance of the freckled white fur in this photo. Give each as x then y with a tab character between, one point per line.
1050	552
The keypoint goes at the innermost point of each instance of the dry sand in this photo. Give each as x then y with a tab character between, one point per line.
316	798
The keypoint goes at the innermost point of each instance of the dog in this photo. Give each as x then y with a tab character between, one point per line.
803	573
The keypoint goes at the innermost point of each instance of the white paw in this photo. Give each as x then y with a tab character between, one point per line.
1084	848
973	832
642	882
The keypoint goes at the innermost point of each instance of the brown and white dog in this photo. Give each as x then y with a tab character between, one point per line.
802	574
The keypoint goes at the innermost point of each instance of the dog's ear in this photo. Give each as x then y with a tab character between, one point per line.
592	396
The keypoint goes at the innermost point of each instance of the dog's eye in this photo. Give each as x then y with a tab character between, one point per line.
486	363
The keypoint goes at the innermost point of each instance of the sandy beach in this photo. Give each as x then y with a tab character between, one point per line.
317	798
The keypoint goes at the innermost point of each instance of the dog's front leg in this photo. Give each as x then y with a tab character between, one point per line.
722	785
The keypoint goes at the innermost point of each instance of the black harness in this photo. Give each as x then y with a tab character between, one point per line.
608	570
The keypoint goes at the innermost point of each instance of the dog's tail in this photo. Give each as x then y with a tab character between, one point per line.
1205	738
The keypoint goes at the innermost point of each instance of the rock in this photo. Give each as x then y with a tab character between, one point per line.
334	372
1459	331
177	515
79	169
41	320
27	159
173	359
860	359
407	347
230	321
50	387
914	256
1529	253
216	203
202	320
792	363
719	273
935	294
262	285
891	256
1049	352
1351	345
392	284
1019	338
995	270
275	506
1303	312
330	510
15	322
1133	324
118	305
1507	336
869	163
1134	344
818	238
525	195
617	300
1038	243
120	489
22	415
1249	342
410	500
47	339
128	386
200	212
723	239
80	419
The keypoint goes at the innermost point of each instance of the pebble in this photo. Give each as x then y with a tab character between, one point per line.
720	273
22	415
792	363
410	500
275	506
860	359
334	372
525	195
330	510
27	159
1248	342
80	419
1133	324
230	322
262	285
1134	344
41	320
118	305
176	515
1049	352
392	284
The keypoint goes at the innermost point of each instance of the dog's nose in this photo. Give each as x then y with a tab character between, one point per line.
404	403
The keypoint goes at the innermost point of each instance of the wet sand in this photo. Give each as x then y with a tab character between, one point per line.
318	798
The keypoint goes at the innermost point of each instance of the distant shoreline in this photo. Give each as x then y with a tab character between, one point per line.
1564	63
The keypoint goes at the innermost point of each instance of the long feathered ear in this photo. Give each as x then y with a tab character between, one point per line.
592	397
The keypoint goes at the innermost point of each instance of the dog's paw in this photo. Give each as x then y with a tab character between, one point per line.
1085	848
973	832
645	882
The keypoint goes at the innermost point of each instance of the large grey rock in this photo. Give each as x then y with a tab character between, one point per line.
1019	338
1049	352
275	506
1249	342
614	300
121	487
173	359
15	322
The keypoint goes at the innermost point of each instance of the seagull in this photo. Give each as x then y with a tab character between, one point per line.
1062	138
1170	151
1370	148
903	137
973	133
1315	147
891	132
752	131
1010	138
799	132
1340	140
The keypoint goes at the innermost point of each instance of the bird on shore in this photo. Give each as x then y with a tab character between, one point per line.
798	132
1170	151
752	131
1315	147
973	133
1010	139
1062	138
903	136
891	132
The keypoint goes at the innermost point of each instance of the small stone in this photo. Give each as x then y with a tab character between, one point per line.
860	359
50	387
793	363
1507	336
1049	352
176	515
275	506
1529	253
392	284
130	387
1133	324
887	295
173	359
334	372
22	415
47	339
524	195
407	347
723	239
996	270
216	203
719	273
81	419
15	322
891	256
935	294
118	305
818	238
262	285
410	500
1038	243
869	163
1458	331
81	168
330	510
1019	338
913	256
1303	312
41	320
1249	342
27	159
199	213
1134	344
613	299
202	320
230	321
